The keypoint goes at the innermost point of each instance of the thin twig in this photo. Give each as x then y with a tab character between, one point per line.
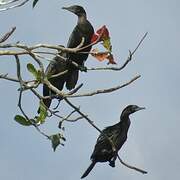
75	119
140	42
21	85
7	35
131	167
69	120
41	132
82	114
5	76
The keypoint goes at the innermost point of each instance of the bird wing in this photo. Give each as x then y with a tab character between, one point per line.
103	147
109	132
72	78
75	38
57	65
81	30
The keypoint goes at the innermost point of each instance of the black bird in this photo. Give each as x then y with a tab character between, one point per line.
117	134
85	30
56	66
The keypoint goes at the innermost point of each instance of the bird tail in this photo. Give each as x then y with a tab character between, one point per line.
88	169
72	79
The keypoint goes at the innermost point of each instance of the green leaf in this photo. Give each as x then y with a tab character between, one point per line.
32	69
107	44
34	3
55	140
42	113
21	120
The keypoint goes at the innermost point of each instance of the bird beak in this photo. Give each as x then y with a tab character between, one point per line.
68	9
140	108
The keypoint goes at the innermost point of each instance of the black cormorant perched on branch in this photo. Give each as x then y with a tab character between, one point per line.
117	134
83	29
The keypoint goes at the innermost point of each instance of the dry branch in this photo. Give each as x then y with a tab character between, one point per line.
131	167
104	91
12	6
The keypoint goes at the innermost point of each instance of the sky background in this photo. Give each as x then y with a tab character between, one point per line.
153	140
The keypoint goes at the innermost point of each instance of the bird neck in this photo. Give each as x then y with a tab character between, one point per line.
125	118
82	18
125	122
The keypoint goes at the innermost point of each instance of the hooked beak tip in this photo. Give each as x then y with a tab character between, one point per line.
141	108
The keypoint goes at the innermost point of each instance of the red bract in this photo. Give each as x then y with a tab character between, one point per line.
111	59
101	56
100	35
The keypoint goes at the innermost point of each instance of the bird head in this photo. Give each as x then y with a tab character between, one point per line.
78	10
131	109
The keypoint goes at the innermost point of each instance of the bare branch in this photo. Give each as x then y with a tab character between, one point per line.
7	2
75	89
4	2
131	167
103	91
53	88
13	6
59	74
12	53
47	46
81	43
82	114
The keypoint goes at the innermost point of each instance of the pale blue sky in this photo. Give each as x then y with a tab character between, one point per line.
153	141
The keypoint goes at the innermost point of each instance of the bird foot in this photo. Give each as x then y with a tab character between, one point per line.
112	163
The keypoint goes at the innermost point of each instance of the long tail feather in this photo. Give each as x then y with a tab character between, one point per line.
88	169
72	78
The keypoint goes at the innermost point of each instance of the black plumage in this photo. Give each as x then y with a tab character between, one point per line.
117	133
83	29
56	66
